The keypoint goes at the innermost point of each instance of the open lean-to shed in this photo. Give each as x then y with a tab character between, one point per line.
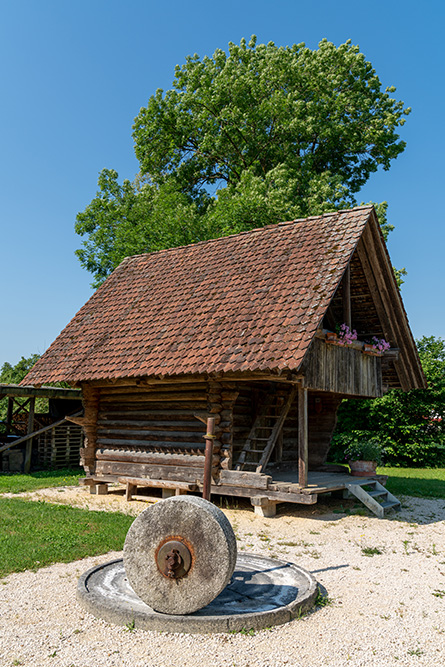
235	328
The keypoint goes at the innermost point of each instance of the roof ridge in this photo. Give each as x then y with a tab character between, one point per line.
269	227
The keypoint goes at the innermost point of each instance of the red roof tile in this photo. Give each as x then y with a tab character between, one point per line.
246	302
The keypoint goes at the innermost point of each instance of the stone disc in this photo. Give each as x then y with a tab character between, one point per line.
205	546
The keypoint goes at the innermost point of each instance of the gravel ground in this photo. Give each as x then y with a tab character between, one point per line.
385	608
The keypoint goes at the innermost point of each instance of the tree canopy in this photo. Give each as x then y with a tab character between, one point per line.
256	135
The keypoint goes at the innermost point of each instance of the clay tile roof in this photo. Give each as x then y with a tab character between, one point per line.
248	302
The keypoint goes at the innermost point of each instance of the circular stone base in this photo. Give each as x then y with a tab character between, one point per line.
262	592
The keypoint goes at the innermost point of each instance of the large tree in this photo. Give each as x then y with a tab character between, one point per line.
256	135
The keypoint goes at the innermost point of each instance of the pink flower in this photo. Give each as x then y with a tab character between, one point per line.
346	336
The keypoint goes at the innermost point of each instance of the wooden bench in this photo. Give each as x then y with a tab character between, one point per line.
132	483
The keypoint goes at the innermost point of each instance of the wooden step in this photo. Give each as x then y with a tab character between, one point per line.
375	494
368	498
390	503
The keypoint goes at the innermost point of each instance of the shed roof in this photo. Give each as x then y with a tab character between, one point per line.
247	302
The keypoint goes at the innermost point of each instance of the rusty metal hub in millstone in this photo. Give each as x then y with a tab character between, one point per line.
173	558
180	554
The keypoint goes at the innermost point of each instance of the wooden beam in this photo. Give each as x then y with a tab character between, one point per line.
30	429
231	376
302	436
346	295
39	392
158	483
383	308
393	302
244	478
9	414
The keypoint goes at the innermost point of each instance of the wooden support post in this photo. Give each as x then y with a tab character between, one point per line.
130	491
302	436
30	429
9	415
263	506
347	317
168	493
209	438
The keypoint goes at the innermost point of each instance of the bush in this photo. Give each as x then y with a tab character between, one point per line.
410	426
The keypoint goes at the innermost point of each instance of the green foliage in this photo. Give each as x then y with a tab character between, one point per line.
256	135
360	449
371	551
37	534
410	426
135	218
14	374
322	599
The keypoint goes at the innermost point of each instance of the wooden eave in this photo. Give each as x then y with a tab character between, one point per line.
286	377
386	296
39	392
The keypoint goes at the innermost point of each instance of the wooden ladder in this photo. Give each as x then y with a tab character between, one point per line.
377	498
265	432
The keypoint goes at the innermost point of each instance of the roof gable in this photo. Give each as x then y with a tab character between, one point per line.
247	302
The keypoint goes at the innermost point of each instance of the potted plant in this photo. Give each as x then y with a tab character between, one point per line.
342	335
377	346
346	336
363	457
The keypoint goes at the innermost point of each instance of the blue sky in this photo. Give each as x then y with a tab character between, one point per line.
75	74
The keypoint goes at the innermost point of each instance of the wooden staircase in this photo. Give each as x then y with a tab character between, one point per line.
265	432
376	498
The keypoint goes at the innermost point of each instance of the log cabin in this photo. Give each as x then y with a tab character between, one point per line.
236	329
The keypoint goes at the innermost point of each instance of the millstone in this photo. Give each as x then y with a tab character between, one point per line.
180	554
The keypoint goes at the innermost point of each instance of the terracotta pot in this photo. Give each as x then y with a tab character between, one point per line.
331	337
363	468
369	349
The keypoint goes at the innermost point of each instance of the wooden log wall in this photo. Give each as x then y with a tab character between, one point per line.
152	431
221	398
90	402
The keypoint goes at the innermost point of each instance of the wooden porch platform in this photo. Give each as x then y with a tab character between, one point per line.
265	490
318	482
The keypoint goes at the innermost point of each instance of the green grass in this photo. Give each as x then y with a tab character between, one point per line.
17	483
37	534
420	482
